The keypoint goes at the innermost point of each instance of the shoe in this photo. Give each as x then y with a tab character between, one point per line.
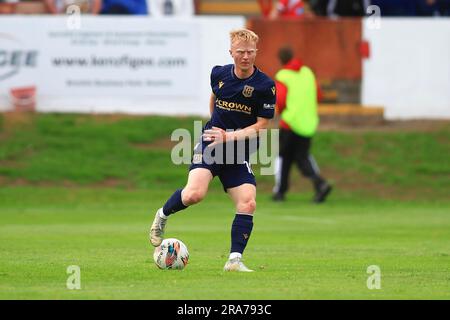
236	265
278	197
322	193
157	229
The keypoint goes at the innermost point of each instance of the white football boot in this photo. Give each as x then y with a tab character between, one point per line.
157	229
236	264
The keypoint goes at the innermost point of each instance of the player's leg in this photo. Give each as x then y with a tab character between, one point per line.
239	182
194	192
309	168
197	186
244	198
283	166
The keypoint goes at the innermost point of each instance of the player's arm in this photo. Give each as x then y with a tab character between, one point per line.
264	113
248	132
212	102
214	78
218	135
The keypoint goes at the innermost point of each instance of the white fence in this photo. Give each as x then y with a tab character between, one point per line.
408	72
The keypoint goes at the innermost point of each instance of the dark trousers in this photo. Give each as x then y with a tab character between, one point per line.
295	149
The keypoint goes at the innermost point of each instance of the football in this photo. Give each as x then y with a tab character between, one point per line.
171	254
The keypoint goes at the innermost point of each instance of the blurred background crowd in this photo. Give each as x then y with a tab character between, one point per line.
266	8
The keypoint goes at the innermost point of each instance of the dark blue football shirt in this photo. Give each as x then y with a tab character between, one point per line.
239	102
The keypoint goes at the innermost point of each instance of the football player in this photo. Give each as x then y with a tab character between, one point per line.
243	100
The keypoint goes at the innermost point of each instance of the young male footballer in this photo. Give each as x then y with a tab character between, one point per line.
242	103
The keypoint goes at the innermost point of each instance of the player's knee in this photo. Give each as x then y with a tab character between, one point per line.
192	196
248	206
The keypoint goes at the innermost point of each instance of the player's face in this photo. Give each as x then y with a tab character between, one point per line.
244	54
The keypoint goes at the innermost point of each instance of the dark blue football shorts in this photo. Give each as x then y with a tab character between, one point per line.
230	175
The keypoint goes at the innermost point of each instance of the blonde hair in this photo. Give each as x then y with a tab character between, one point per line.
243	34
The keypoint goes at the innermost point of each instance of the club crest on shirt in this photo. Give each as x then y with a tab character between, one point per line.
197	158
248	91
273	90
221	83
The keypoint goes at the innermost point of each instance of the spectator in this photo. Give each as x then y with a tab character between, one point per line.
444	7
427	8
288	9
167	8
266	7
347	8
86	6
297	97
319	7
137	7
396	7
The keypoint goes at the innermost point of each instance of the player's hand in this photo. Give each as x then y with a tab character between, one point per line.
216	135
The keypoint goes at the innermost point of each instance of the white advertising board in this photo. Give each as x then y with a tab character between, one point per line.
127	64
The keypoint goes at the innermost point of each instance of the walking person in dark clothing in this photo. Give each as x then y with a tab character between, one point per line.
297	95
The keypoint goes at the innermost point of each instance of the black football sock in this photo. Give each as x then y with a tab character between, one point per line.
174	204
240	232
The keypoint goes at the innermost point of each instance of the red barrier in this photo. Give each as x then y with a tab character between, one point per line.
332	48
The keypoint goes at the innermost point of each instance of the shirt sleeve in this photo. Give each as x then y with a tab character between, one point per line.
266	107
214	78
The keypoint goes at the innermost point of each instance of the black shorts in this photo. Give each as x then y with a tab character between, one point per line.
230	175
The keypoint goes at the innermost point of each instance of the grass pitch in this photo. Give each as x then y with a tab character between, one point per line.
299	250
82	190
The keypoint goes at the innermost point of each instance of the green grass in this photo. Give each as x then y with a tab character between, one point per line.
82	190
83	149
299	250
61	149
